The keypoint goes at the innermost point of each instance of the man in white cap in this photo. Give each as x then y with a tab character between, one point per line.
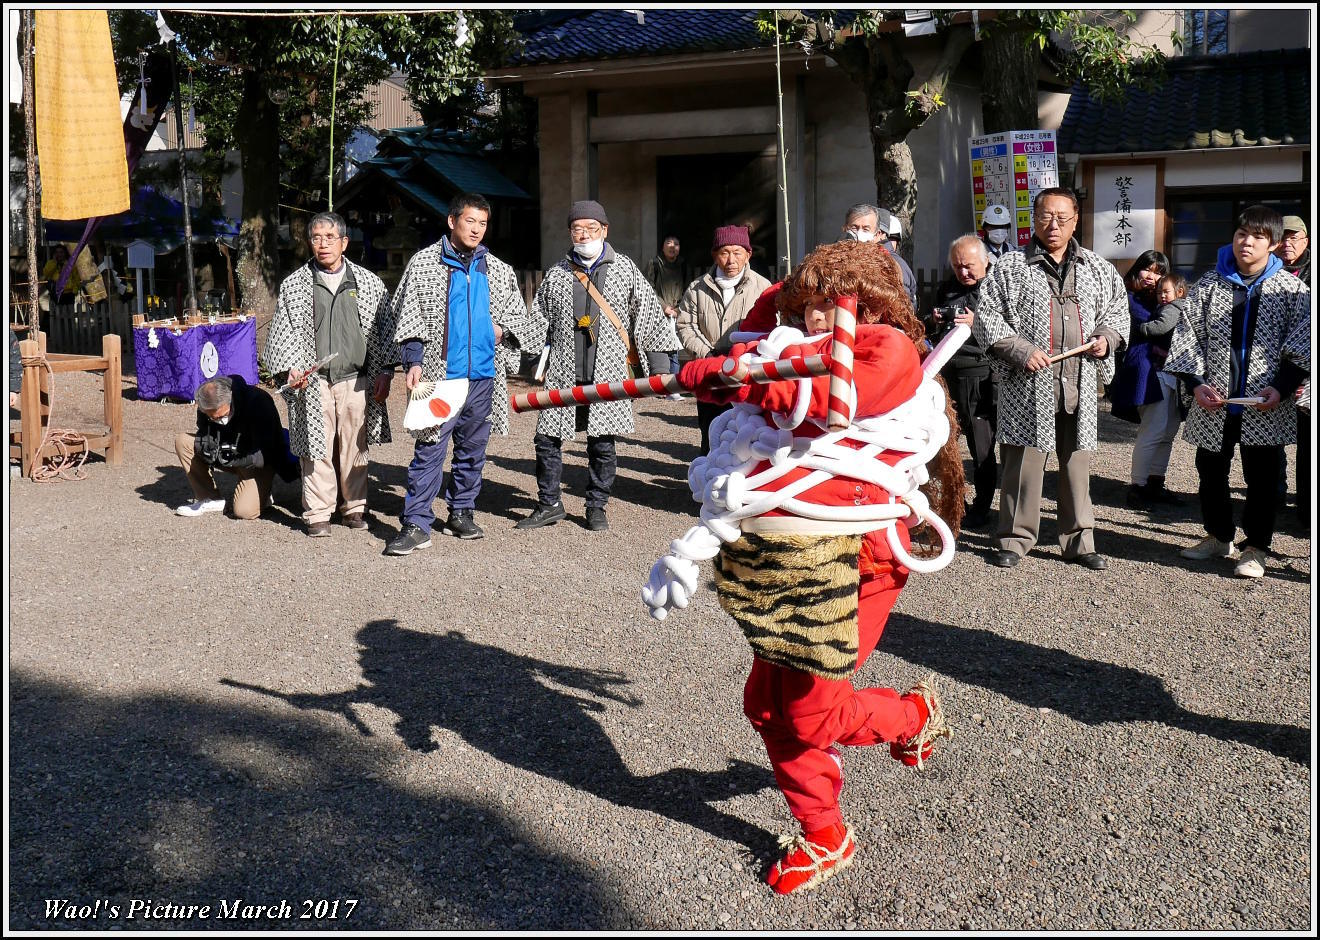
997	223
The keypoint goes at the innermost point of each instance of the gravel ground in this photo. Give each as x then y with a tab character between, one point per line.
493	735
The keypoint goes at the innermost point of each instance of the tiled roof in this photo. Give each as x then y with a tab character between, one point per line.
582	35
1245	99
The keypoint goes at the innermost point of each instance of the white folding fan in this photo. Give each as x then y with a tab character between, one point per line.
431	404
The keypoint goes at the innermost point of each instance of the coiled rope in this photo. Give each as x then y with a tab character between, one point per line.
65	463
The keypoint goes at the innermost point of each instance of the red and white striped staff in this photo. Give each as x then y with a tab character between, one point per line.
795	367
841	365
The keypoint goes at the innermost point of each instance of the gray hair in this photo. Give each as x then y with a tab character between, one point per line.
213	393
862	209
329	218
971	238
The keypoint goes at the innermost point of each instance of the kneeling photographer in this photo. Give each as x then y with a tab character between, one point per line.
238	431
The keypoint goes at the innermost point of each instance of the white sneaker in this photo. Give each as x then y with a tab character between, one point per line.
1251	564
201	506
1210	547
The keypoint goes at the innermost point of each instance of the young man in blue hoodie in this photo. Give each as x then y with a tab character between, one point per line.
1243	348
459	315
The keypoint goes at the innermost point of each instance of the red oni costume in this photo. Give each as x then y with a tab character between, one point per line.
811	532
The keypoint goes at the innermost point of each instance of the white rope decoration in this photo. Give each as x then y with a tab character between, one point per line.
741	439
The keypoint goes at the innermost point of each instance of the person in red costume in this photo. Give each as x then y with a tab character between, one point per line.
812	592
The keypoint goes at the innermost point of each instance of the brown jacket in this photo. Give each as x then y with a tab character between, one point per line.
704	323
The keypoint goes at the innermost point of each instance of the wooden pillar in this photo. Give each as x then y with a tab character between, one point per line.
30	404
114	398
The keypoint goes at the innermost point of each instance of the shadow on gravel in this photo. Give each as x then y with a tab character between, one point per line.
1088	690
170	489
193	802
530	714
641	481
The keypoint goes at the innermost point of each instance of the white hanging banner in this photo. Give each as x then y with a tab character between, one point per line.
1124	212
15	63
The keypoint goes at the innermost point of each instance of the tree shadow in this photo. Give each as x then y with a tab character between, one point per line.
187	801
530	714
1087	690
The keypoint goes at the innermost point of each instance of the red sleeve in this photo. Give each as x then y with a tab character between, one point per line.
886	368
762	318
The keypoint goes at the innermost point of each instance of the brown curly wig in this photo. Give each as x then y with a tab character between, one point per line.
869	271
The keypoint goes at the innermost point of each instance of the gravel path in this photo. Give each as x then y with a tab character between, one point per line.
493	735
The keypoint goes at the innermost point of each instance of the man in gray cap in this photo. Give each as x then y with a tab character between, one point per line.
600	312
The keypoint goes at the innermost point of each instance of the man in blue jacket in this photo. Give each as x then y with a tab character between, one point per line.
459	315
1242	348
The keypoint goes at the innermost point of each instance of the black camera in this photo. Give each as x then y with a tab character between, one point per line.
216	452
942	321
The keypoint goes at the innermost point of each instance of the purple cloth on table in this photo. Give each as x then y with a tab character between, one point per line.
180	363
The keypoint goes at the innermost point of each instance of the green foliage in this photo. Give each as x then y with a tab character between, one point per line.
295	61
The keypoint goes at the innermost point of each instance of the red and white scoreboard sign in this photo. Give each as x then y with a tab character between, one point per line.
1009	169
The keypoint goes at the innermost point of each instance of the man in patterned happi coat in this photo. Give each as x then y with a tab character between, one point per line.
459	315
589	344
1050	298
1243	348
331	305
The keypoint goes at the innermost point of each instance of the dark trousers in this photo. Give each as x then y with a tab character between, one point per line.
1302	470
1260	469
601	467
973	394
706	413
470	430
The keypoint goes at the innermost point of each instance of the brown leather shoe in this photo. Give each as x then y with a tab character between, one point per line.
355	520
318	530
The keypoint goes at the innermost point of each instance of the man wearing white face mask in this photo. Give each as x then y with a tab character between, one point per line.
997	222
598	308
867	223
713	306
239	431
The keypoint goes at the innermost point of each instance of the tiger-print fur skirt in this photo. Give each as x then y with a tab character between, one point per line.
795	598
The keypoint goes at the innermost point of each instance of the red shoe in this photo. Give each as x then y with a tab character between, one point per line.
916	750
811	858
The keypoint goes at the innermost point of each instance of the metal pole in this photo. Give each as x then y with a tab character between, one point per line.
191	303
30	154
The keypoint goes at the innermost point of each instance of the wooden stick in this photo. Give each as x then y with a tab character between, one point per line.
1075	351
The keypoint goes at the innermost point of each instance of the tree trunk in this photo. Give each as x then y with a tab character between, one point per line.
257	134
886	85
1009	76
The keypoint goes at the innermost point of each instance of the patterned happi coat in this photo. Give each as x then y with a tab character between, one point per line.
1014	300
291	344
1202	347
421	306
634	302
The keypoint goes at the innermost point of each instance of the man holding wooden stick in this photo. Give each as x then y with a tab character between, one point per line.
1051	317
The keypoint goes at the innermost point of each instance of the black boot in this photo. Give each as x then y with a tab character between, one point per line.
1138	497
1156	493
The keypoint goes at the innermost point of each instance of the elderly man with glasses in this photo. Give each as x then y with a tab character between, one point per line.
333	334
599	310
1036	305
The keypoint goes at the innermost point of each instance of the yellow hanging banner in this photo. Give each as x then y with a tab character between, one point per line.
80	132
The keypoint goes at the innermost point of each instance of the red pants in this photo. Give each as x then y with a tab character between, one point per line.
799	715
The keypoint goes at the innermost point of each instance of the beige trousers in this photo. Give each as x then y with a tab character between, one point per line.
250	494
1024	478
344	472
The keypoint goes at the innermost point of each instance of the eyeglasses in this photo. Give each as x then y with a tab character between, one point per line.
1049	218
579	231
1295	238
325	239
